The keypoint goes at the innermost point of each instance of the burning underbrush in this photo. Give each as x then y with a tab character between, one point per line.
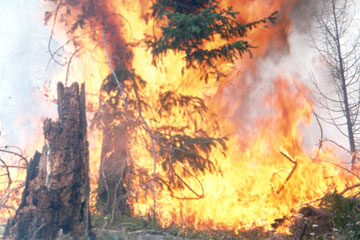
176	142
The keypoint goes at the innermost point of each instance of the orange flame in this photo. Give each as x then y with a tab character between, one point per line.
265	174
267	178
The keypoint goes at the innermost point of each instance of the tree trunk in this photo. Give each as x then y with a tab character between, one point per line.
347	112
55	198
114	168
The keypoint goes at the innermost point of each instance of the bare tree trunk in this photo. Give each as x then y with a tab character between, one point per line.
338	43
344	89
55	198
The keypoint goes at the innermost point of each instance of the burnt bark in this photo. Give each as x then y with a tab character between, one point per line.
56	194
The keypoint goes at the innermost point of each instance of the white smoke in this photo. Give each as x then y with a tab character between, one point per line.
23	61
299	60
303	61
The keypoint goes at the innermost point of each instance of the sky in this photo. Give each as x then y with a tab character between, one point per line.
23	70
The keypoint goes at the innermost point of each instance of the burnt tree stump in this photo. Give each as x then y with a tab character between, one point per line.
55	199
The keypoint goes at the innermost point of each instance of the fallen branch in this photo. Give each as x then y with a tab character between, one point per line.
290	174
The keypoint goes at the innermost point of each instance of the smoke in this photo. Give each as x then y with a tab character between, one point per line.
24	56
296	59
302	62
288	55
315	68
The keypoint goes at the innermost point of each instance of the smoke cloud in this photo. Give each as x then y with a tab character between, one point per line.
23	59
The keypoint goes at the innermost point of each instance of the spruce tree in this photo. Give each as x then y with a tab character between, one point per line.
185	27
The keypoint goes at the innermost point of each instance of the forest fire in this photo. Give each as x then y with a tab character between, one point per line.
264	172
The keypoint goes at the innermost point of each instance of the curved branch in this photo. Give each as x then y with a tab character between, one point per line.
16	154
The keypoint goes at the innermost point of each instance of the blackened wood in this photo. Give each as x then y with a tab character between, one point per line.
56	195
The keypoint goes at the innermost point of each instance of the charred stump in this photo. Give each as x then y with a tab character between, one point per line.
55	199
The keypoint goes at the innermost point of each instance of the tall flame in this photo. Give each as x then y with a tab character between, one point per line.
269	169
265	172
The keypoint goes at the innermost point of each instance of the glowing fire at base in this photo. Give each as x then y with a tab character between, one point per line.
264	177
268	178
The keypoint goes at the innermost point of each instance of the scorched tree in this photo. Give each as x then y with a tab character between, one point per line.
181	149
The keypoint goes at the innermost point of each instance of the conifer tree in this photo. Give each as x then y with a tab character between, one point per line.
181	151
185	27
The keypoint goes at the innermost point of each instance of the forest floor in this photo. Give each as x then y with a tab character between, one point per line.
141	229
302	228
340	219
